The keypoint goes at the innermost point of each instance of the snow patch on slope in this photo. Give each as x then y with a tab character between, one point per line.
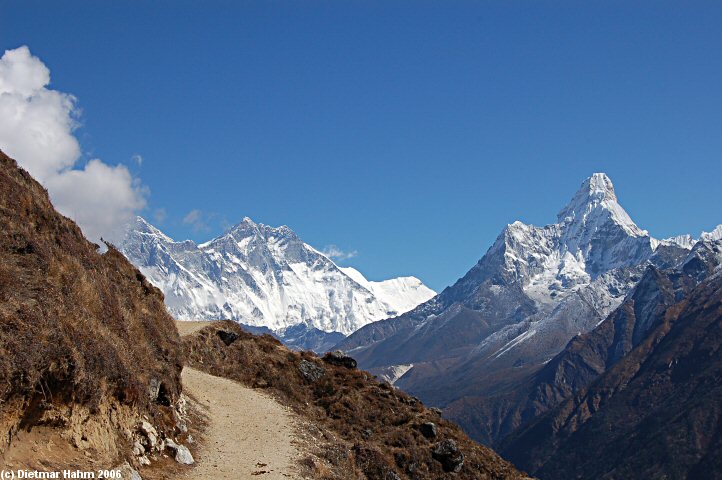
401	294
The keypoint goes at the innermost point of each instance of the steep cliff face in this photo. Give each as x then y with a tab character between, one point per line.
651	407
86	346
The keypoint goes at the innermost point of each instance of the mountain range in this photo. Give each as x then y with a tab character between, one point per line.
265	277
474	347
556	334
96	378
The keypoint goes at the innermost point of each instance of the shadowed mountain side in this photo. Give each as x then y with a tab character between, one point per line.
662	400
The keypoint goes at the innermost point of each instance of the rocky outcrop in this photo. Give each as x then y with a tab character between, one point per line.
339	358
449	455
310	371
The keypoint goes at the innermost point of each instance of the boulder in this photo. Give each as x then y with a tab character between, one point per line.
310	371
182	454
340	358
448	454
227	337
428	429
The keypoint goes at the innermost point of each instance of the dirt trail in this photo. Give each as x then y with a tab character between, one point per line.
248	432
249	435
186	327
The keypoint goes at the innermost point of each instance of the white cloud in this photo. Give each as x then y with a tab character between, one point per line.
36	129
101	198
160	215
335	253
138	159
196	219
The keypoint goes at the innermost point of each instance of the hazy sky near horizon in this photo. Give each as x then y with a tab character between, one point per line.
408	133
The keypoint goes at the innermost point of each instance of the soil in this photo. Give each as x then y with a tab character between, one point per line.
248	434
187	327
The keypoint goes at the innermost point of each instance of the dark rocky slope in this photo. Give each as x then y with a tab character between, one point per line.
86	347
584	359
656	411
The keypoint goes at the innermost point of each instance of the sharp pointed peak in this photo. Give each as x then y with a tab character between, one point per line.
244	224
600	182
141	225
596	191
598	186
595	204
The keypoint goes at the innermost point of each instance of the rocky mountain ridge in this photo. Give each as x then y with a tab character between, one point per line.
651	369
91	360
264	277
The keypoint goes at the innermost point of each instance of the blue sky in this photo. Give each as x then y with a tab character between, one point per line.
409	132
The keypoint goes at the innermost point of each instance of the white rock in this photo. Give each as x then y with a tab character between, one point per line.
183	455
138	449
127	472
150	433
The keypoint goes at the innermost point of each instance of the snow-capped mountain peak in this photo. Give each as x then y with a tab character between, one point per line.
401	293
264	276
594	235
594	205
712	236
684	241
141	226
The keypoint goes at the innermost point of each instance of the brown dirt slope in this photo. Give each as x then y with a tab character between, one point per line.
86	345
357	428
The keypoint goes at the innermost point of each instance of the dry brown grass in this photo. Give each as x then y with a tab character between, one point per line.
363	428
79	330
